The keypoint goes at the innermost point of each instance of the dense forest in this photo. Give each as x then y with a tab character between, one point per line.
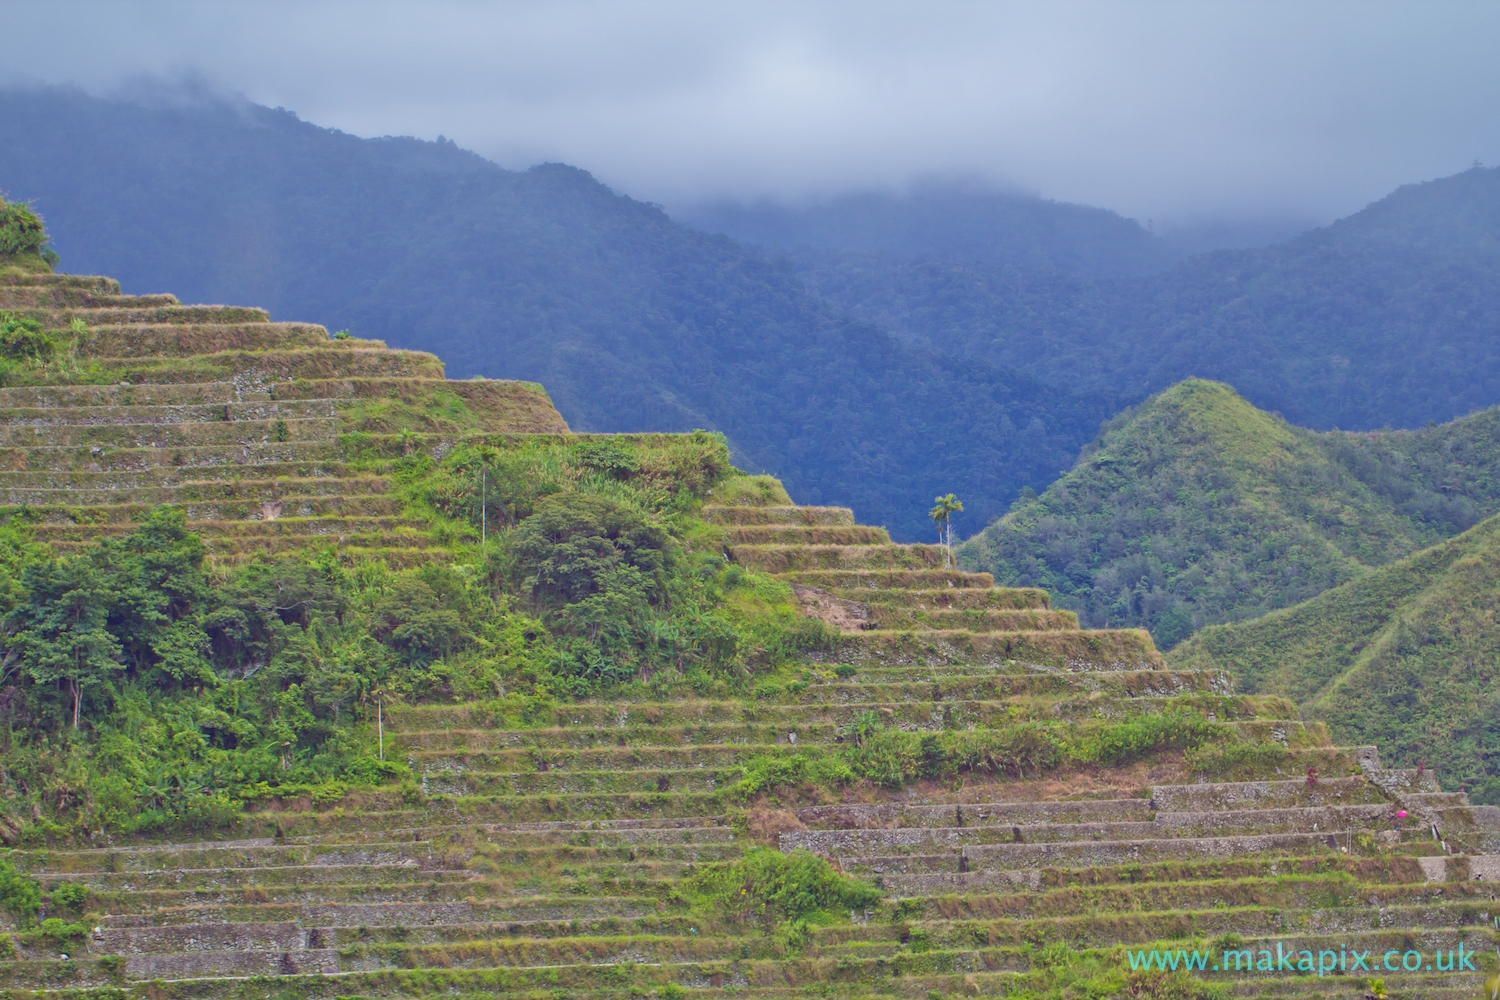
1383	319
1197	508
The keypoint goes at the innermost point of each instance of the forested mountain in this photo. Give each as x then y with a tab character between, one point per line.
1403	657
1386	318
1198	508
631	320
948	222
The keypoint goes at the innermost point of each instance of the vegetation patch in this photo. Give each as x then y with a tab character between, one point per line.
148	690
893	758
23	239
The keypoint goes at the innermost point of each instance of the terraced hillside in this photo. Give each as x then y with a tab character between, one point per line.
560	855
1027	803
263	431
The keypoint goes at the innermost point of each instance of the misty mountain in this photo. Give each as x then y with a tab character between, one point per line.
631	320
1385	318
951	222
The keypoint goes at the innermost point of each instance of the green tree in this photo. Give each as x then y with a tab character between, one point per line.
942	516
61	633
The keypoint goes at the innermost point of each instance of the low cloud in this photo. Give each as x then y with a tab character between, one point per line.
1182	113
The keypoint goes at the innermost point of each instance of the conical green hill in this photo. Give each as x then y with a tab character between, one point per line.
1195	508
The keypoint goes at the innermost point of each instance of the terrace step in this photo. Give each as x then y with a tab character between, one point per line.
892	815
227	456
1062	649
846	581
1111	930
150	414
270	367
778	515
577	782
859	842
173	434
1231	796
299	527
230	855
60	317
1033	896
603	759
194	491
395	556
803	534
781	559
657	736
1098	853
174	477
407	914
897	704
102	511
84	394
14	297
951	598
176	340
889	618
1394	876
72	282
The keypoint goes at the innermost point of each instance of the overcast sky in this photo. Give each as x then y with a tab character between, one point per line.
1165	111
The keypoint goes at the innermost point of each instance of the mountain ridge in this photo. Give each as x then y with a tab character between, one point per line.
948	221
1320	327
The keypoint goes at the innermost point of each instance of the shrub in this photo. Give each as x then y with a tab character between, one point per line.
1170	986
61	932
766	772
23	236
1486	792
23	339
1237	761
578	547
68	895
780	887
751	491
606	458
893	757
20	896
1132	739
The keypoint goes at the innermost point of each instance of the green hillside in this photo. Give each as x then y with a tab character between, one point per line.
1197	508
1403	657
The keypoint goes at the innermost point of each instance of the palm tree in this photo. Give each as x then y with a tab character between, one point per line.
942	516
